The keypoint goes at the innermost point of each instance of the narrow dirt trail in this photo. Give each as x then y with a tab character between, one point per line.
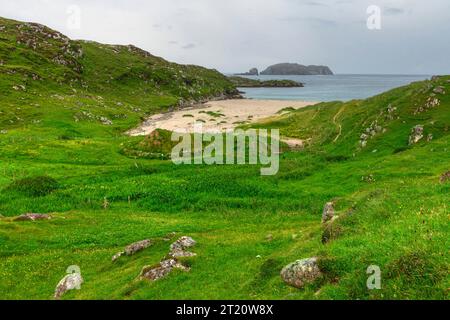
339	125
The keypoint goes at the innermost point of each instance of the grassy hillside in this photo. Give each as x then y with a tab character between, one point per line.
57	80
62	146
244	82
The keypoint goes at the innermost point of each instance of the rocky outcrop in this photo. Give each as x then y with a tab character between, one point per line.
69	282
296	69
177	250
416	134
430	103
439	90
133	248
370	132
301	272
162	270
252	72
328	212
32	217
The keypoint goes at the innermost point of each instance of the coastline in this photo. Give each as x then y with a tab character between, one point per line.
217	116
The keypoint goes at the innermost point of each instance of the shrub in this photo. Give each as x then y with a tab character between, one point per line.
34	186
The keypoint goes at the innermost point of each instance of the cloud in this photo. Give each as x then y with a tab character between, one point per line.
235	35
314	21
393	11
189	46
315	4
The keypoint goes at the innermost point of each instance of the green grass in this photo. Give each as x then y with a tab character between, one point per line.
59	157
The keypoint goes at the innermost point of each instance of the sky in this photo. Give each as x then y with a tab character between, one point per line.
412	36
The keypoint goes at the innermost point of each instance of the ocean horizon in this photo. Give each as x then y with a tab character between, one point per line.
338	87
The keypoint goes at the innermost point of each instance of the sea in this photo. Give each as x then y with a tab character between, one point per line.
339	87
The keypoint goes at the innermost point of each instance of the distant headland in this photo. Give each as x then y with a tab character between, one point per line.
296	69
282	69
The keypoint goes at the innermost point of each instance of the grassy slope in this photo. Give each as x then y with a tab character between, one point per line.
399	221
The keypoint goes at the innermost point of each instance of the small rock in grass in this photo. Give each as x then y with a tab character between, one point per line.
137	246
439	90
183	243
178	248
32	217
301	272
133	248
117	256
69	282
182	254
163	269
416	134
269	237
328	212
105	121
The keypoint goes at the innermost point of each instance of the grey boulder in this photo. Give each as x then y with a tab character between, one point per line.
301	272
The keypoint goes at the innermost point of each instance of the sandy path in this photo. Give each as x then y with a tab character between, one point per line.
216	116
340	125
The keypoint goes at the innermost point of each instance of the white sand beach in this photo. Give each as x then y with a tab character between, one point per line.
217	116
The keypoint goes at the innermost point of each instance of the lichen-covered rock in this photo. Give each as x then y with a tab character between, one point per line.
328	212
416	134
69	282
372	131
182	254
430	103
178	248
32	217
439	90
163	269
105	121
183	243
301	272
137	246
133	248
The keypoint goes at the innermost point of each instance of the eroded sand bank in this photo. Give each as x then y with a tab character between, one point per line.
217	116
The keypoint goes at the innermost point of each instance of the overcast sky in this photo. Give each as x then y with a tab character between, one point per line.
235	35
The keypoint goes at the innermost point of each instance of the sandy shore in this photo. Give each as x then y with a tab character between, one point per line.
217	116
